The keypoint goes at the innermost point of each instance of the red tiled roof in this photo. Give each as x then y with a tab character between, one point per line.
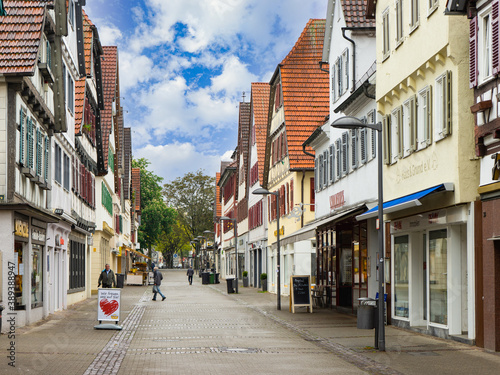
20	34
109	68
79	103
260	109
218	209
305	91
243	138
136	187
87	41
355	13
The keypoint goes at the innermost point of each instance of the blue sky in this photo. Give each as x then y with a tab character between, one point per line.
184	65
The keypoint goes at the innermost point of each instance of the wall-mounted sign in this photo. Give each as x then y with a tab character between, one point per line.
337	200
38	235
21	228
496	166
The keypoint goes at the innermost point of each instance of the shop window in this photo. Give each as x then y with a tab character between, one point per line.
19	303
36	277
438	279
401	296
77	266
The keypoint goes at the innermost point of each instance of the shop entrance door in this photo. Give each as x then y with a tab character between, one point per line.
344	256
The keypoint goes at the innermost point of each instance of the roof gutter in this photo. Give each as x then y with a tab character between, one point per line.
315	134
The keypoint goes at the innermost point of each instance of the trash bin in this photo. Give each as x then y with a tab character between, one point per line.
211	278
120	280
205	277
366	313
230	285
217	281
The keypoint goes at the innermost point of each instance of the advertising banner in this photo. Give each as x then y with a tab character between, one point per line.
108	304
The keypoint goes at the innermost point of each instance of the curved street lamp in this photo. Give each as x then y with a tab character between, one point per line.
262	191
350	122
235	229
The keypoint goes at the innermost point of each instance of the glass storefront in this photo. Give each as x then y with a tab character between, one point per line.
36	277
438	280
401	296
19	304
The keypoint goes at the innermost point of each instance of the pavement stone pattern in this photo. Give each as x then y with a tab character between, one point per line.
200	329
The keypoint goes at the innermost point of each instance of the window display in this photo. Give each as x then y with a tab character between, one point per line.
438	279
36	277
401	296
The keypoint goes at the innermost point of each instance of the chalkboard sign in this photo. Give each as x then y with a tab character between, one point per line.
301	292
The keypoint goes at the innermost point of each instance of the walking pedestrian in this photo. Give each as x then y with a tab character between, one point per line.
158	277
190	274
107	278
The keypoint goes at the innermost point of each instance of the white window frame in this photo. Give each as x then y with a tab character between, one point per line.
414	14
372	119
433	5
398	7
424	118
331	169
396	135
338	154
320	171
386	45
325	168
345	153
409	126
353	137
345	70
442	107
484	46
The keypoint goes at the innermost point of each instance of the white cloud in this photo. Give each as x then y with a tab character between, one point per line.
109	35
177	159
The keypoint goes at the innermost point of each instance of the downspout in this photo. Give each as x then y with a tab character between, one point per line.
344	29
302	196
321	63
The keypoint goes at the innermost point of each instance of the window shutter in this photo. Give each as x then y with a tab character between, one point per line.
30	142
494	37
332	87
399	119
93	190
428	128
320	173
346	70
22	130
332	163
38	169
287	202
325	168
345	150
386	123
413	123
354	148
46	159
362	145
338	151
291	194
316	172
447	104
312	196
473	73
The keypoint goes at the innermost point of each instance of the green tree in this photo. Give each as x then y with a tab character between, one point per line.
174	242
193	196
156	218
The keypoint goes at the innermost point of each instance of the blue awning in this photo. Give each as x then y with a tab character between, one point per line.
407	201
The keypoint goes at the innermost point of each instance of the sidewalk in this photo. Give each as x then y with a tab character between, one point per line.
406	352
200	329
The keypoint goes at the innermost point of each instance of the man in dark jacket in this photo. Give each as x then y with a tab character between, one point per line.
190	273
107	278
157	277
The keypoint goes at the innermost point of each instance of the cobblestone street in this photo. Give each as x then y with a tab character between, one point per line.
199	329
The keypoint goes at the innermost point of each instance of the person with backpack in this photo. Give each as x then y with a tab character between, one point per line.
157	277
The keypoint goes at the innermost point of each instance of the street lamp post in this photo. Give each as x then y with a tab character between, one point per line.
262	191
207	232
350	122
235	229
200	239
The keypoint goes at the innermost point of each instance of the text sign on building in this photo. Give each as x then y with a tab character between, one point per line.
337	200
108	304
21	228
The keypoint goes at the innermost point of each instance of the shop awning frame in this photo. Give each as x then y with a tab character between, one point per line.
408	201
139	253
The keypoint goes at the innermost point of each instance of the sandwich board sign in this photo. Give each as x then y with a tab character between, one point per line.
300	295
108	308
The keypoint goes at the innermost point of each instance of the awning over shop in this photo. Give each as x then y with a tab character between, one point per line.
309	230
405	202
139	253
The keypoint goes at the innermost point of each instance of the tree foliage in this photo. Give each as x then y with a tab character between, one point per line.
193	196
156	218
174	243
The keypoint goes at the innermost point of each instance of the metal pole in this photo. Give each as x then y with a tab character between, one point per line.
278	252
381	293
236	252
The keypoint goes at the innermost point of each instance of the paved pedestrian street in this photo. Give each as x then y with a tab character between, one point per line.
200	329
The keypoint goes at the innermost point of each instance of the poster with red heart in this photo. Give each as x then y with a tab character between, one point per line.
108	304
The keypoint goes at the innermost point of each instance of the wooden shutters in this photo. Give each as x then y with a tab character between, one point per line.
46	160
332	163
473	73
39	152
311	192
495	37
22	130
354	149
30	142
386	131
